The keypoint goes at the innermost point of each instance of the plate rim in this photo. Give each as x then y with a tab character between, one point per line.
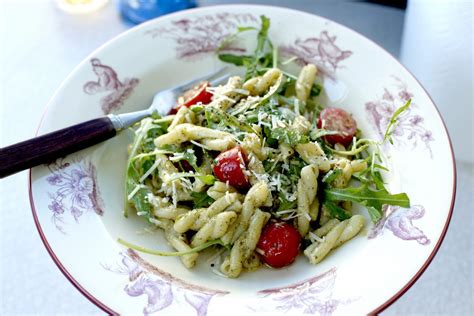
377	310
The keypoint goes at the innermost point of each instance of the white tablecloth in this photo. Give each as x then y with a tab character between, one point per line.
40	45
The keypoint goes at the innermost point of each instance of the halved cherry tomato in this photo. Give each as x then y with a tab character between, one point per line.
230	166
335	119
193	96
279	244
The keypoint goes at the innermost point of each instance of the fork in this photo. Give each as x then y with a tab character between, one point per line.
46	148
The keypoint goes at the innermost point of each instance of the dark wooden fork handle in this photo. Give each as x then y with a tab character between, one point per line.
46	148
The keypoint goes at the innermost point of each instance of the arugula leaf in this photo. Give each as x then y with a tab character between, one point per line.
207	179
230	38
201	199
171	254
140	199
284	203
214	114
372	199
336	211
295	166
262	39
318	133
375	214
393	122
331	175
238	60
140	202
288	136
260	58
189	156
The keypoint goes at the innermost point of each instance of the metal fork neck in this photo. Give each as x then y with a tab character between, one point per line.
123	121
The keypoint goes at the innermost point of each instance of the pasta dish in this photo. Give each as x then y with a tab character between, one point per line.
256	169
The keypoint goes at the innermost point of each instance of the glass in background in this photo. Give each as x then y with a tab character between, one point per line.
80	6
138	11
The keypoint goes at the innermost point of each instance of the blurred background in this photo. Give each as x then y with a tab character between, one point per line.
41	41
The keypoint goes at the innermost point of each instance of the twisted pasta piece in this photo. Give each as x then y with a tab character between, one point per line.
307	188
225	96
219	189
258	195
256	168
260	85
213	139
197	218
169	212
184	115
337	235
305	81
312	153
301	125
179	242
215	228
252	145
245	245
323	230
349	167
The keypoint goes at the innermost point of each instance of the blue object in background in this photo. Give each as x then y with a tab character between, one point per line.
138	11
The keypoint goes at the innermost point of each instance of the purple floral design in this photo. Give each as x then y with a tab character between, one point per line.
161	288
399	222
409	129
312	296
76	190
107	81
201	35
321	51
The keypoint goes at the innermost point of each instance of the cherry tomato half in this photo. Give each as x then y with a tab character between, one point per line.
193	96
230	166
335	119
279	244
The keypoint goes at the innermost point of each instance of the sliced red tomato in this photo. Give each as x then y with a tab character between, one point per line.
198	94
230	167
338	120
279	244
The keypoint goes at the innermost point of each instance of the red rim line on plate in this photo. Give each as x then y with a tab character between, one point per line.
379	309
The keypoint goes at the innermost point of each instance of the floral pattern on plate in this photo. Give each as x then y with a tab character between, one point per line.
108	81
203	34
161	288
400	222
313	296
76	191
410	128
321	51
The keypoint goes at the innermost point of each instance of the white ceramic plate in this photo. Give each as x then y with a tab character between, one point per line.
77	202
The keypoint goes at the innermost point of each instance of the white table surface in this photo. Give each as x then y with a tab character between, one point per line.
40	45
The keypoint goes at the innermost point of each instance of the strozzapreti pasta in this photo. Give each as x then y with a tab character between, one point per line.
260	172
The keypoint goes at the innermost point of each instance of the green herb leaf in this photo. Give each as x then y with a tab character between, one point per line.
331	175
238	60
171	254
140	202
393	122
208	179
284	203
336	211
367	197
262	39
201	199
217	115
288	136
318	133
